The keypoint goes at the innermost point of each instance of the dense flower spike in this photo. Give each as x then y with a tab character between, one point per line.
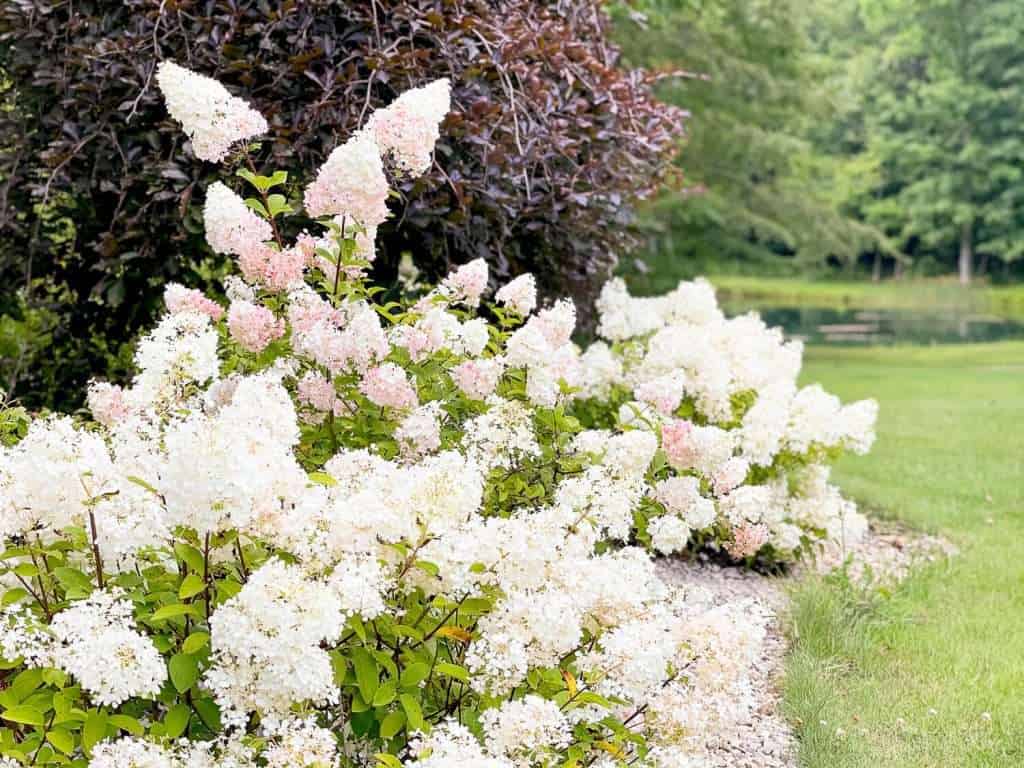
351	184
316	528
231	226
213	118
408	128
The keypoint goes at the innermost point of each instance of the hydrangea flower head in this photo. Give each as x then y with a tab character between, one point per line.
213	119
351	184
408	128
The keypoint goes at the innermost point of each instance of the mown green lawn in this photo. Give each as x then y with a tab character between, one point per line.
932	675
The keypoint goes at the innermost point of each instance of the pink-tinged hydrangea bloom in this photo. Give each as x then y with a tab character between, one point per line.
408	128
317	391
178	298
275	269
231	226
730	475
420	431
107	403
520	295
212	117
477	379
253	326
351	184
387	385
468	282
747	539
417	342
665	393
676	443
557	323
307	309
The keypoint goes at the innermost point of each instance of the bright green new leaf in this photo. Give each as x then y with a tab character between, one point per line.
184	671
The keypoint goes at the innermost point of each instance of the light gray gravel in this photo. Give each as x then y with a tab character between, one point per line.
766	740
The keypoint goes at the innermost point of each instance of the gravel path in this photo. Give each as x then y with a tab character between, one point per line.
766	740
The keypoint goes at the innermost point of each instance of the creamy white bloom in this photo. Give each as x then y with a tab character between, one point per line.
101	627
266	644
131	752
351	183
231	226
450	744
301	744
669	534
529	730
407	129
519	295
212	117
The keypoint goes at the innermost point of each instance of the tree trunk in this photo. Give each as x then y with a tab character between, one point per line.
966	253
876	270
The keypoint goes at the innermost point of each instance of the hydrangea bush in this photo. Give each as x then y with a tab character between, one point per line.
320	530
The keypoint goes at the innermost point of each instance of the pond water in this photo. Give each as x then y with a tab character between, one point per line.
823	325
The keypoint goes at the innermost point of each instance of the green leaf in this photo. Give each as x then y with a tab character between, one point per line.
94	730
249	176
209	713
12	596
263	183
195	642
177	609
27	571
184	671
75	583
191	556
453	670
392	724
366	672
128	724
23	714
176	720
62	740
142	484
277	204
257	206
413	712
390	761
322	478
385	694
414	674
228	588
192	585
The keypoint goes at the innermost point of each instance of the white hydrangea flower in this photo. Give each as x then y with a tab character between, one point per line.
351	183
212	117
408	128
519	295
231	226
102	627
529	730
266	643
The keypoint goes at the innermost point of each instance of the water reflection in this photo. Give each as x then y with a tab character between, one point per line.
823	325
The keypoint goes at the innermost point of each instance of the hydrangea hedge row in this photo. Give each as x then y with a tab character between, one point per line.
322	530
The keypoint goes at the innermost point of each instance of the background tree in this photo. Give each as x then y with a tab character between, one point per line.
758	189
945	119
548	146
